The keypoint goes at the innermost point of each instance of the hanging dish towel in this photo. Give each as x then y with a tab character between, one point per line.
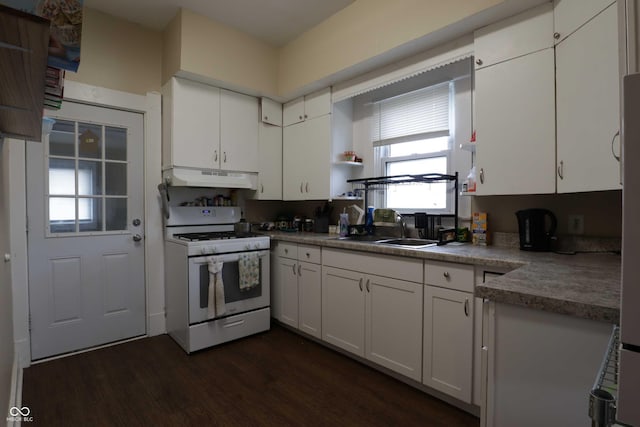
249	269
215	306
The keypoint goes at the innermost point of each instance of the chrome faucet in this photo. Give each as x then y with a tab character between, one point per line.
403	225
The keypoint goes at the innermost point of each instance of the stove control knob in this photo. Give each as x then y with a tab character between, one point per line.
247	247
256	246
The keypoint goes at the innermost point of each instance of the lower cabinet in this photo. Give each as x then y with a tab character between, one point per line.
375	317
296	289
448	341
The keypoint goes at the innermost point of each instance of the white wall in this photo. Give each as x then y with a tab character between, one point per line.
6	312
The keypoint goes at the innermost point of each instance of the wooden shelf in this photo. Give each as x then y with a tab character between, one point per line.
24	44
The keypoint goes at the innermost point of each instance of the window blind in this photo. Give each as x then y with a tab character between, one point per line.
421	114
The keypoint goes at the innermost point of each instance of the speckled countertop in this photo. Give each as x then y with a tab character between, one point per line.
582	285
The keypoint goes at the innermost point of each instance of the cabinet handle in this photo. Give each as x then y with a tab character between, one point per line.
301	184
561	170
294	269
368	290
466	307
446	274
215	154
262	188
556	35
479	61
306	187
612	142
481	175
299	269
286	251
224	160
360	284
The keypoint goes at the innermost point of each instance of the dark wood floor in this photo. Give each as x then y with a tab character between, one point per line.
276	378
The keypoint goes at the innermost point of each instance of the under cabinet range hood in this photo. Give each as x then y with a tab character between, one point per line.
185	177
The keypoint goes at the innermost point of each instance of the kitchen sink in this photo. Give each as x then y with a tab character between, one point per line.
413	243
362	238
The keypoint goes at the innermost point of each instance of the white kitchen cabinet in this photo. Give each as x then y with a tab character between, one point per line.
515	126
370	315
448	341
269	163
449	328
588	111
516	36
271	112
569	15
239	120
308	107
296	294
191	125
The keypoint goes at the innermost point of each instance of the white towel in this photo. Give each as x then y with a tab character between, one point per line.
249	270
215	306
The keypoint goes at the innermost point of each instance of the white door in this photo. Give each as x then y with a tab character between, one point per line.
85	212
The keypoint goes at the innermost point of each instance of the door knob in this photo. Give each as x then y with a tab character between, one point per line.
136	222
137	237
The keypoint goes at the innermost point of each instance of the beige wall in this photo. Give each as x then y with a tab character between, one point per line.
221	53
171	47
602	211
364	30
117	54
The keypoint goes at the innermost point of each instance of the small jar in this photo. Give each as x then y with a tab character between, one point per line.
308	224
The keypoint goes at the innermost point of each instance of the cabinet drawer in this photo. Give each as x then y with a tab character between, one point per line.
449	275
287	250
381	265
309	253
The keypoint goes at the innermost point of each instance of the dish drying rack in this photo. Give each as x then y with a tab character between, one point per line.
603	395
383	182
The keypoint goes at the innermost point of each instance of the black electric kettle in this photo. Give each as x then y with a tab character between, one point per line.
536	233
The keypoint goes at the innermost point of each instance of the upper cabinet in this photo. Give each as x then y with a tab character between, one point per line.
515	105
24	41
208	128
308	107
569	15
271	112
270	152
588	105
519	35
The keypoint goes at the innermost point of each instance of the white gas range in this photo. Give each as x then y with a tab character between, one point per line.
217	282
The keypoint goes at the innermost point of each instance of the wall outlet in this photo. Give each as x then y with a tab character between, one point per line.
576	224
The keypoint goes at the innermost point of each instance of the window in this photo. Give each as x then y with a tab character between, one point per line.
411	135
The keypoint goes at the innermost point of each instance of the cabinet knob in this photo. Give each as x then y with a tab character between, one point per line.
446	274
286	251
308	254
613	140
266	118
556	35
478	61
305	116
300	117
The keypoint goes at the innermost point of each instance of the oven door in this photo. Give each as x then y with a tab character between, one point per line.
236	300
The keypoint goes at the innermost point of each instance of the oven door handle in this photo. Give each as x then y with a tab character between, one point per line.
225	257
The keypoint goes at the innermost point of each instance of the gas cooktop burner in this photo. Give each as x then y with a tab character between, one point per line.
212	235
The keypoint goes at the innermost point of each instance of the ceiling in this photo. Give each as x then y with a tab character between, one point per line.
274	21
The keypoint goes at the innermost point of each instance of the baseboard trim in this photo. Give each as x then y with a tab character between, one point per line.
15	396
157	324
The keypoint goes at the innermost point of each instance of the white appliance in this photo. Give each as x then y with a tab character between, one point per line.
194	235
628	410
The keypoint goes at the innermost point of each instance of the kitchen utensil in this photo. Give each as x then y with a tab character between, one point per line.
537	229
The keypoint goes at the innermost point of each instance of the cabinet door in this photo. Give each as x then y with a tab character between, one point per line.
448	341
238	132
515	126
293	112
588	98
316	159
519	35
195	133
310	302
271	112
569	15
293	162
394	325
288	296
317	104
270	163
343	305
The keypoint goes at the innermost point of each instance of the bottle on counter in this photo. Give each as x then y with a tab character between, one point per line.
344	224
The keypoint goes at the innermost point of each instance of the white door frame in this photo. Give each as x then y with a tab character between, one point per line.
150	106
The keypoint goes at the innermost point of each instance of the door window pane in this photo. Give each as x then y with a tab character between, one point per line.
115	143
90	214
62	138
89	141
89	178
116	179
62	177
116	213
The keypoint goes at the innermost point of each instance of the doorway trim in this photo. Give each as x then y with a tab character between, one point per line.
149	106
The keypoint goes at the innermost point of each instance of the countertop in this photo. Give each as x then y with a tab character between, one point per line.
585	285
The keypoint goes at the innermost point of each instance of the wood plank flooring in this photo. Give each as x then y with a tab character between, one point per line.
276	378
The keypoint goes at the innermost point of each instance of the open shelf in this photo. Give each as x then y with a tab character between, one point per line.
468	146
343	162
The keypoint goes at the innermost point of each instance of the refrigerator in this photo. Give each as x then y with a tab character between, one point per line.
628	407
